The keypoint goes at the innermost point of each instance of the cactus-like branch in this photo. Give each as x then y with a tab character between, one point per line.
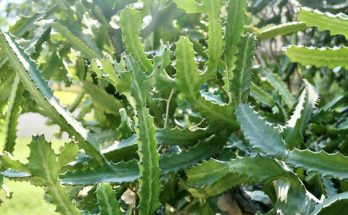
259	132
149	181
12	115
43	165
272	31
330	57
336	24
32	80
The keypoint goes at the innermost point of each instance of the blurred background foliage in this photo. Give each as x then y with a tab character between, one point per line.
47	27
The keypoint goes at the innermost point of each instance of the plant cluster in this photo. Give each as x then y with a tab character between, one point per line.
184	107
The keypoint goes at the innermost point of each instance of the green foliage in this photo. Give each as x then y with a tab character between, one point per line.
333	204
149	183
187	78
244	170
234	30
108	205
260	95
261	135
181	106
75	41
43	165
128	172
12	116
188	81
336	24
32	80
242	76
214	51
298	122
115	173
130	22
330	57
233	35
319	56
272	31
189	6
276	81
327	164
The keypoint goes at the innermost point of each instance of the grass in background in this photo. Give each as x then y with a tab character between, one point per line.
65	97
26	199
